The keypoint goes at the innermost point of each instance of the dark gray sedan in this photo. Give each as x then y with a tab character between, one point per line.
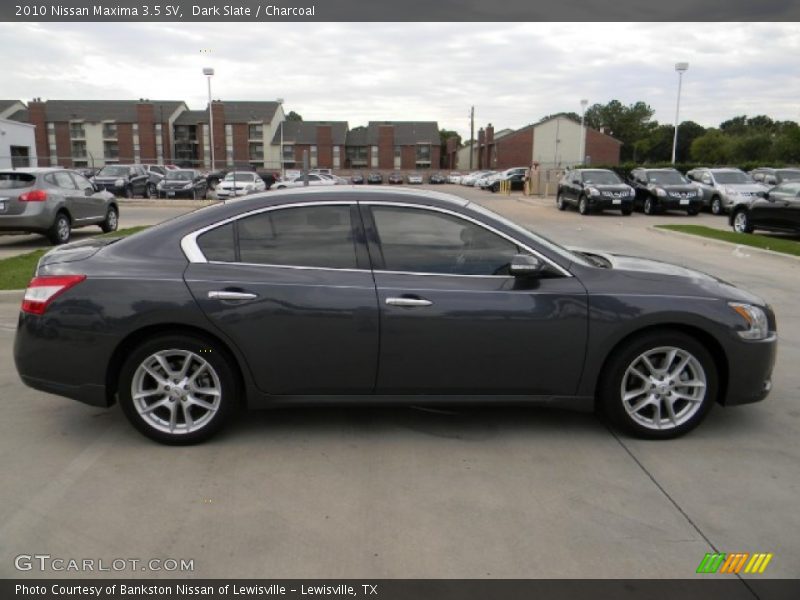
381	296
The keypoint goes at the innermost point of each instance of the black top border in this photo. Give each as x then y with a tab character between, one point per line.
446	11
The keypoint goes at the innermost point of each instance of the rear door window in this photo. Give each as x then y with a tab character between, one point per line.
16	180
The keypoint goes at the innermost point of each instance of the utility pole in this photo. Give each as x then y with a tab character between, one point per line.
471	135
305	167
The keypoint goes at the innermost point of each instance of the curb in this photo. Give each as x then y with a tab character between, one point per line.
722	243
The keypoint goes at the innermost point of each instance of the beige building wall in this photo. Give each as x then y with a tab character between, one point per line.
556	143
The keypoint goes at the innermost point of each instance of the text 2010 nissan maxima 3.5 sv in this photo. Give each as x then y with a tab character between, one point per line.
356	296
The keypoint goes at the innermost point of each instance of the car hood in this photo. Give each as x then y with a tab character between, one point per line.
745	187
109	179
610	187
632	274
675	187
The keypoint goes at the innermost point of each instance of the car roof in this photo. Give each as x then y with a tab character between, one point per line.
33	170
723	170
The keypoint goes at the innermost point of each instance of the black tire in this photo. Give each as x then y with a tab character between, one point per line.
61	230
215	357
111	221
152	191
614	377
650	207
128	191
583	205
716	205
194	194
742	222
560	204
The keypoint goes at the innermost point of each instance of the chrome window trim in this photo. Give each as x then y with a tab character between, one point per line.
297	267
507	237
194	255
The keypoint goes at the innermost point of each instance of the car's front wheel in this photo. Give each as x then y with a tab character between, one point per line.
716	205
659	385
741	222
152	191
111	221
560	203
583	206
649	206
177	389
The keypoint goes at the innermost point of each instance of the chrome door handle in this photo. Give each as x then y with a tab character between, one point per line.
228	295
408	302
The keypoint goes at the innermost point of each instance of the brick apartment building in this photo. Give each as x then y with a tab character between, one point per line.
394	145
83	133
324	141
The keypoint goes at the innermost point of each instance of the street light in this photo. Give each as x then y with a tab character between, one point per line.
581	145
681	68
209	72
283	172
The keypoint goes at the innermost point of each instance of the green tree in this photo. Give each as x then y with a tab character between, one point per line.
751	147
293	116
712	148
786	148
629	124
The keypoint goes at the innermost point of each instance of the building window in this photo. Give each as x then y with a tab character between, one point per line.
313	157
288	153
398	157
80	163
109	130
358	156
256	151
229	145
20	156
78	149
76	131
255	132
423	158
111	150
337	161
374	156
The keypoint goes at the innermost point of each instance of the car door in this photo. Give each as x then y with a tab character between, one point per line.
94	203
454	322
75	201
292	288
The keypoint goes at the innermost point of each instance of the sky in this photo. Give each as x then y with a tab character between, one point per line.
514	74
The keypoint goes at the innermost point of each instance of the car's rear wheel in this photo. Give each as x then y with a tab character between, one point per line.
152	191
716	205
583	205
61	229
659	385
741	222
111	221
560	204
177	389
128	192
649	206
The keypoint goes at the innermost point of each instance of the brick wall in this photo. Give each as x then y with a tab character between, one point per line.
325	146
385	147
125	142
241	144
515	149
63	145
36	116
220	155
602	149
147	137
408	157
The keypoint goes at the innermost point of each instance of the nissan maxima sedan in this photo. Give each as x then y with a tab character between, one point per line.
359	296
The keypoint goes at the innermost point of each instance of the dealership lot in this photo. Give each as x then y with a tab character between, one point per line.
413	493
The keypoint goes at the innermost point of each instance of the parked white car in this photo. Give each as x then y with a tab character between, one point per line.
313	179
415	178
454	177
240	183
469	180
484	181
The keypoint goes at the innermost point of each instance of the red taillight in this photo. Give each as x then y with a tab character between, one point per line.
33	196
43	290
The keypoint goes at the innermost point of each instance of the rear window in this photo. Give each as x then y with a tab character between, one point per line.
16	180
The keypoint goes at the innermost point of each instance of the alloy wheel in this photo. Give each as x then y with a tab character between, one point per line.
176	391
663	388
741	223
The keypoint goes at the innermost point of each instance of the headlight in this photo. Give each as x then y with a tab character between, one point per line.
119	182
632	191
756	319
661	193
160	185
188	186
593	191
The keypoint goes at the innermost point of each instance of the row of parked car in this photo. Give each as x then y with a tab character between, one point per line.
765	198
492	180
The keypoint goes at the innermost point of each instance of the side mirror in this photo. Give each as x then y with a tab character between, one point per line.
525	265
88	191
769	197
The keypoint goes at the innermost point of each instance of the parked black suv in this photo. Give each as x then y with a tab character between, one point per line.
375	178
594	189
779	210
658	190
122	180
184	182
357	178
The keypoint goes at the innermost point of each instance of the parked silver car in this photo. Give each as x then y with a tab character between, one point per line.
724	188
53	201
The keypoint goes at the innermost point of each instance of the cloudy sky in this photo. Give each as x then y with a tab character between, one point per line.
512	73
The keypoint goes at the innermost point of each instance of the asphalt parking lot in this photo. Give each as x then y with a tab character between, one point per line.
385	493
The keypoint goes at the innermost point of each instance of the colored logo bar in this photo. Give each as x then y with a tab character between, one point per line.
735	562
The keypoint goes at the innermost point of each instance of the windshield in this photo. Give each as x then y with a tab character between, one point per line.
113	172
789	174
732	177
665	177
181	175
600	177
239	177
542	241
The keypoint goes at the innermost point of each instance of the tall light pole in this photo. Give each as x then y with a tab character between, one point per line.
582	145
283	172
209	72
681	68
